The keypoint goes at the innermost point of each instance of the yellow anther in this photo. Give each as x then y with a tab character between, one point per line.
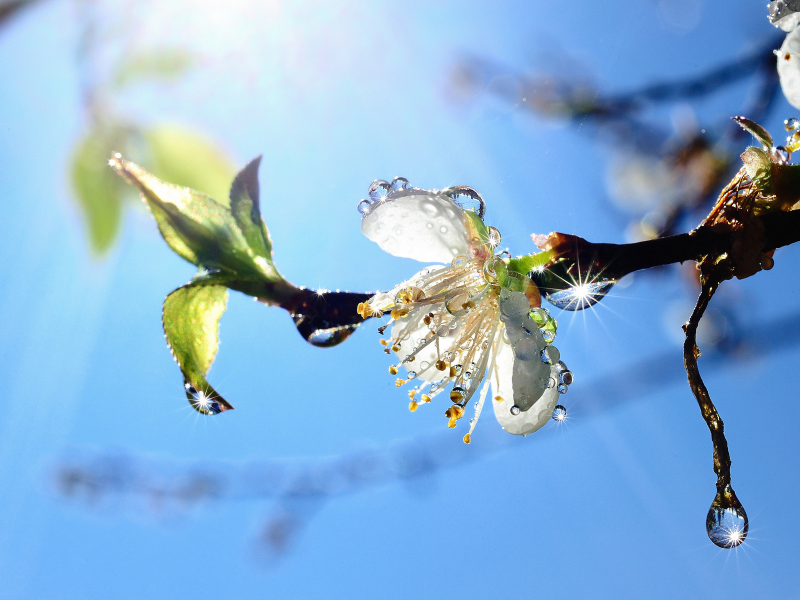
452	372
441	365
411	394
451	423
400	382
384	343
425	398
396	348
467	439
387	351
393	370
427	319
498	398
413	406
454	413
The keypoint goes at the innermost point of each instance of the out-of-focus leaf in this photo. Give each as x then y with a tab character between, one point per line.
187	158
166	64
758	132
525	264
191	324
246	210
196	227
98	191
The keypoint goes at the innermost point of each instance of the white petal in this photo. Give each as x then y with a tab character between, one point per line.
783	13
507	367
417	224
789	67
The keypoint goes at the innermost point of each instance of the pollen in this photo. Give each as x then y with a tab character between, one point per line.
400	382
425	398
384	343
467	439
498	398
441	365
453	372
393	370
427	319
396	348
413	406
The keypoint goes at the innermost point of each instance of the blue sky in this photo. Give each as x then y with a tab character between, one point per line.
610	506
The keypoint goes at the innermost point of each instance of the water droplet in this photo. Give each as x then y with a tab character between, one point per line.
539	316
549	336
493	237
780	155
559	413
398	231
550	355
324	338
579	297
457	394
561	366
442	229
412	374
791	124
566	377
400	183
424	365
201	402
726	527
459	260
515	410
466	198
429	225
364	207
562	388
379	189
551	382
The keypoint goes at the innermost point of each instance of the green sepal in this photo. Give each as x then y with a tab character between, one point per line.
191	324
196	227
758	132
529	262
501	269
759	168
478	226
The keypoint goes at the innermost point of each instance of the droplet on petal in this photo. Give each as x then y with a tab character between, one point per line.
379	189
559	413
467	198
399	184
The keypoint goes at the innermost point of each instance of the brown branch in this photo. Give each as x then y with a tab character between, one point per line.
615	261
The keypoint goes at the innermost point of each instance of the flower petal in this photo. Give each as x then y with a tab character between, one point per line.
789	67
783	13
526	421
418	224
424	364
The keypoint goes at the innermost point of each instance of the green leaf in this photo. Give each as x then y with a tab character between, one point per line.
196	227
526	264
191	324
247	212
189	159
478	225
166	64
759	168
758	132
98	191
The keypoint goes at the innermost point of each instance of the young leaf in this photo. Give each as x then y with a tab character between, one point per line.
759	168
196	227
166	64
525	264
247	212
191	324
758	132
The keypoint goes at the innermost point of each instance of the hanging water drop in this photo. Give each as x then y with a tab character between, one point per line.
727	526
580	296
562	388
780	155
566	377
791	124
493	237
559	413
201	402
550	355
515	410
325	338
412	374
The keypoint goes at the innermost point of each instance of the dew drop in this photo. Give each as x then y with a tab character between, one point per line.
398	231
559	413
562	388
566	377
457	394
429	225
364	207
549	336
202	403
325	338
399	183
493	237
412	374
424	365
442	229
726	527
466	198
459	260
515	410
379	189
550	355
780	155
539	316
791	124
